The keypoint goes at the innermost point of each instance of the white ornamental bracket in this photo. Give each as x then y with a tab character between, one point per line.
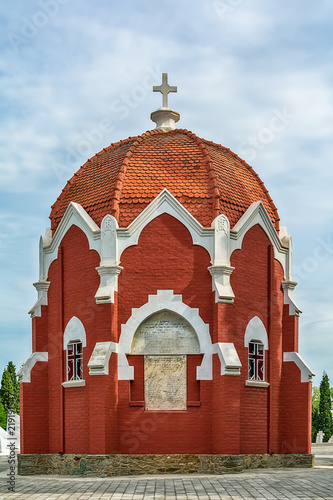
109	268
221	269
98	363
42	289
288	289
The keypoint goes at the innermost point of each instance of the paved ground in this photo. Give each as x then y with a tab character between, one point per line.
272	484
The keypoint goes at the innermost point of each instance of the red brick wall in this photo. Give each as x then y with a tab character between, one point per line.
34	421
296	398
226	416
165	259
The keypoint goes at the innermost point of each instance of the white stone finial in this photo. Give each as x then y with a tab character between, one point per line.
165	117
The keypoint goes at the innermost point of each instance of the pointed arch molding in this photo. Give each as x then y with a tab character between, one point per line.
256	330
74	331
166	203
219	240
165	300
257	214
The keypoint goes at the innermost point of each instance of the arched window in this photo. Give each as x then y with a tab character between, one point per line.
256	341
73	343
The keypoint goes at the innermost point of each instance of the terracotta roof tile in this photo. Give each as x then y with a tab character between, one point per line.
124	178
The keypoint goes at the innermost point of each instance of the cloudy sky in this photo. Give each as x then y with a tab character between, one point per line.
253	75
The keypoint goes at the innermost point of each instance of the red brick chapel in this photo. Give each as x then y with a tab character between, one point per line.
165	322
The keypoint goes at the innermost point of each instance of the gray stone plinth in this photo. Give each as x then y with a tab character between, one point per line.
123	465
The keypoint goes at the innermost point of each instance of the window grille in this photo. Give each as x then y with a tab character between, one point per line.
74	361
256	361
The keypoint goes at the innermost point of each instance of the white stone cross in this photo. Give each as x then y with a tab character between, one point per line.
165	88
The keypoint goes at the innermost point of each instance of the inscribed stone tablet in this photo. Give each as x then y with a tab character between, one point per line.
165	333
165	382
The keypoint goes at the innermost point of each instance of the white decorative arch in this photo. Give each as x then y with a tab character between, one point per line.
257	214
166	203
75	215
165	300
24	374
74	331
256	330
219	241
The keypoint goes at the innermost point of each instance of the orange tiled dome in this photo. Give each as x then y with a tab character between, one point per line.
206	178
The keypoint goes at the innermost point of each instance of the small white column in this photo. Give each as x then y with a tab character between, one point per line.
221	269
109	268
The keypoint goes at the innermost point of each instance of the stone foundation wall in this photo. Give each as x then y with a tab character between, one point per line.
124	465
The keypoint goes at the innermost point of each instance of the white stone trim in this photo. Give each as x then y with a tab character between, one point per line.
164	300
165	119
306	372
221	226
257	214
110	241
108	284
42	288
288	290
44	241
221	269
99	360
109	268
256	330
165	203
221	283
230	362
74	383
77	216
74	331
24	374
256	383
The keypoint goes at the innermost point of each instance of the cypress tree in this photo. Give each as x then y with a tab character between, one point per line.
315	413
3	416
12	371
315	424
7	393
325	415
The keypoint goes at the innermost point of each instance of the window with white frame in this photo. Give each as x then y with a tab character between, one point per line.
256	369
74	361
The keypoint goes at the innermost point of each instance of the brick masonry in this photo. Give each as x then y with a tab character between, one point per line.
223	416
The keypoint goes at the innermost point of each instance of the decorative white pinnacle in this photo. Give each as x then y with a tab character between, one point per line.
165	117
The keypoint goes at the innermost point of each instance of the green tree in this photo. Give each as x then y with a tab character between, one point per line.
325	404
315	413
7	393
12	371
3	416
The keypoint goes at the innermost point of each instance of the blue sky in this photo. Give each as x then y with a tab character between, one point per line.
255	76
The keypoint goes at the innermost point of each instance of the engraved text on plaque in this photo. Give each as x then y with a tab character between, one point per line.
165	382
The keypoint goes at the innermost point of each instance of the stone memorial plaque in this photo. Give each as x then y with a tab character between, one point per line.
165	333
165	383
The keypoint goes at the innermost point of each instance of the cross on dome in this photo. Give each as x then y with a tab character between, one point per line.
165	117
165	88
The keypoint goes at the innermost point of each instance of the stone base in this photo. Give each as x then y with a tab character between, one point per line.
124	465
